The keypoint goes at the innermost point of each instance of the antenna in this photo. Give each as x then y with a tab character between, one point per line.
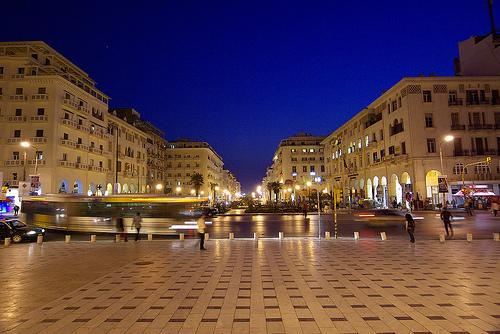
492	19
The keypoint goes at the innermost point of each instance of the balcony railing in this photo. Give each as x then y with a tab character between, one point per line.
18	98
95	150
69	122
39	162
95	169
11	163
81	165
64	163
15	140
455	102
40	97
393	130
480	126
39	118
38	140
70	103
476	102
457	127
11	183
82	147
83	127
17	76
68	143
16	119
461	153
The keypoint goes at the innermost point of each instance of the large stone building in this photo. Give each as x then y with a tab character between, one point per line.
186	157
299	159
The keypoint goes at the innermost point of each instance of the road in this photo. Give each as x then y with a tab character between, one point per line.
428	226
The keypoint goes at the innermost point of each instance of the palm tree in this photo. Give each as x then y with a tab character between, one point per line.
269	187
275	187
197	182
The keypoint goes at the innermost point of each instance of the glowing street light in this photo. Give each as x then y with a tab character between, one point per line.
27	144
159	187
178	190
193	191
309	183
447	139
297	187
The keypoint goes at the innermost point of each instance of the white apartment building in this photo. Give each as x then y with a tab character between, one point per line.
393	146
186	157
299	159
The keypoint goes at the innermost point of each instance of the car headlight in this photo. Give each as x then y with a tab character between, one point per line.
30	232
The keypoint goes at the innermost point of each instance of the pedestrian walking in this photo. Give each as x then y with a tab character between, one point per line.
304	209
468	206
410	227
494	208
120	227
201	231
137	223
16	210
446	217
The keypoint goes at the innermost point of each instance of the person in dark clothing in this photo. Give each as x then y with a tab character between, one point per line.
304	209
446	217
410	227
120	227
16	210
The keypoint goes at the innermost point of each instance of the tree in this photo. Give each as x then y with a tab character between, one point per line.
197	182
275	187
269	187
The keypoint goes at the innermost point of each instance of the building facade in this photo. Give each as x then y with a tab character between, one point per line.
394	146
186	157
299	159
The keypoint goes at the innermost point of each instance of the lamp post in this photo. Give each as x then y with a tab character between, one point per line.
178	190
159	187
27	144
446	139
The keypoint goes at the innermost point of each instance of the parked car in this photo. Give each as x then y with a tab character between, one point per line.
19	231
382	216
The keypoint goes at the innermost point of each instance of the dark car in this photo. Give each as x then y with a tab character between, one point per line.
381	216
19	231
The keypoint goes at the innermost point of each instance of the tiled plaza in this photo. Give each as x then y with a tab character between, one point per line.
245	286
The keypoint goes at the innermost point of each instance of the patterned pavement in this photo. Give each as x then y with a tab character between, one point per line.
246	286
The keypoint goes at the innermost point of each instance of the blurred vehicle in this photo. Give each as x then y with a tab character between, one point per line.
381	216
19	231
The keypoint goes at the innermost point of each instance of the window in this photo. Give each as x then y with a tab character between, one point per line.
294	169
293	150
78	159
40	112
382	154
39	133
403	148
64	157
15	155
14	176
428	120
391	149
381	134
367	141
311	150
304	169
304	150
431	145
20	70
452	96
375	156
42	90
458	168
65	136
19	112
17	133
427	95
1	90
1	70
19	91
79	141
322	168
39	155
394	105
311	169
455	120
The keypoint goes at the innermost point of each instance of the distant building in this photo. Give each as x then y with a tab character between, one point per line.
479	56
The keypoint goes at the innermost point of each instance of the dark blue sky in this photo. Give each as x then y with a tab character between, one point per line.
244	75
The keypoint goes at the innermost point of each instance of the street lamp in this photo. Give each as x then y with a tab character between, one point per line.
193	192
27	144
159	187
447	139
178	190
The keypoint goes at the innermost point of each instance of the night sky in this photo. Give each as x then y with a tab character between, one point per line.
244	75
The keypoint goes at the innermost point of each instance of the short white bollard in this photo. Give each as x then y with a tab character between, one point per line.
150	237
469	237
496	236
441	237
231	236
39	239
280	235
255	236
206	236
117	238
67	238
6	242
327	235
92	238
383	236
181	236
356	235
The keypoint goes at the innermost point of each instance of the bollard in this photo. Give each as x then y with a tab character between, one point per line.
469	237
280	235
150	237
6	242
255	236
117	238
383	236
441	237
92	237
231	236
356	235
496	236
39	239
206	236
327	235
67	238
181	236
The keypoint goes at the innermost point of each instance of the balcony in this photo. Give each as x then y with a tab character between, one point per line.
457	127
455	102
81	165
15	140
67	164
465	153
483	152
480	126
68	122
39	118
97	132
13	163
84	109
11	183
393	130
70	103
68	143
38	140
18	98
40	97
460	153
96	150
476	102
82	127
16	119
95	169
17	76
39	162
82	147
